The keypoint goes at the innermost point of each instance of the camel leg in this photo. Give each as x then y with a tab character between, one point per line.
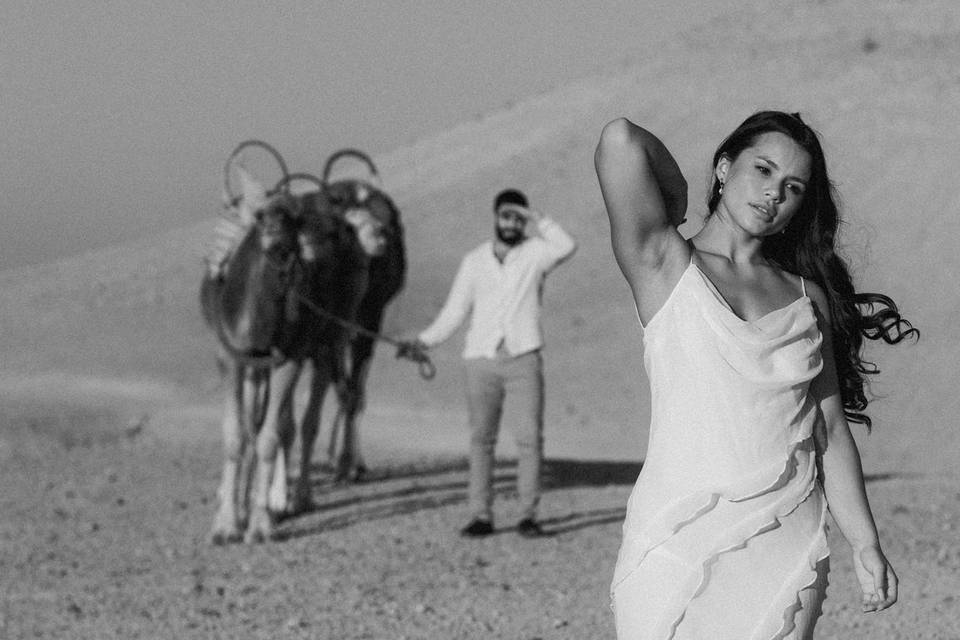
286	430
309	427
248	464
248	399
350	465
339	378
333	444
260	525
277	494
226	521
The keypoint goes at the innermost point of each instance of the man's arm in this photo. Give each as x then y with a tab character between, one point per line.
558	244
454	311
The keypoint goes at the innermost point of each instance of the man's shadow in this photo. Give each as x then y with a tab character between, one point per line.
413	487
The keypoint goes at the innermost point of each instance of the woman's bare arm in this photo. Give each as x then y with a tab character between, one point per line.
843	481
646	198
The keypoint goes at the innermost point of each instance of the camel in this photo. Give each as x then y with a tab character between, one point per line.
308	268
387	273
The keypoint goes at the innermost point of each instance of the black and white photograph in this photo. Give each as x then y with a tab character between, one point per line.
431	319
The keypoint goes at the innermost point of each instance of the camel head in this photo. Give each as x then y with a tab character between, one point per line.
371	232
257	295
278	223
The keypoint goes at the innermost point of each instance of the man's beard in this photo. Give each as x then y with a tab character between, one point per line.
509	237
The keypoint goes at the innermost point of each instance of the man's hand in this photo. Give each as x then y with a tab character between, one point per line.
412	349
532	215
416	351
531	218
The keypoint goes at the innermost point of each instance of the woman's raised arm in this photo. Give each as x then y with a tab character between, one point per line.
646	198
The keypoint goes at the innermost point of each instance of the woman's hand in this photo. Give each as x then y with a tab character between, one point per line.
877	578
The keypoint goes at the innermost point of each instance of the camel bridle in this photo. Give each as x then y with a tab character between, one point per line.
406	350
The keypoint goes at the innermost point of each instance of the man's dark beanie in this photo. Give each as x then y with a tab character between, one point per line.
509	196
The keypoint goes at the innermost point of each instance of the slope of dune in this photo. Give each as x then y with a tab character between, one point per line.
878	84
109	345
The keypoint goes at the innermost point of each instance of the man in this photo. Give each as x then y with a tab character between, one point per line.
500	284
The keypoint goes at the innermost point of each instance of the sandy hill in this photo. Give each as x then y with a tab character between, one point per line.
114	338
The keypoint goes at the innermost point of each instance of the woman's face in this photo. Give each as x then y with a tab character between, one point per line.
763	187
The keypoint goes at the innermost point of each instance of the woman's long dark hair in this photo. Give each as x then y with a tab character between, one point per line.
807	247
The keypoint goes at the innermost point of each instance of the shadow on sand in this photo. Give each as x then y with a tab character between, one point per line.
881	477
407	489
402	490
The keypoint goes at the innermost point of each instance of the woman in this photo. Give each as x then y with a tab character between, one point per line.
752	336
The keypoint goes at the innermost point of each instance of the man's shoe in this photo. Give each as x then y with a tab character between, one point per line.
529	528
477	528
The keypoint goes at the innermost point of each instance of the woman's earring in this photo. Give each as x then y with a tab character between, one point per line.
720	190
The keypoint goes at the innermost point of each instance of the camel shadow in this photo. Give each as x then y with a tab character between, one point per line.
414	487
407	489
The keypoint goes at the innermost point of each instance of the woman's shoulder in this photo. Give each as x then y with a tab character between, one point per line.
795	281
811	290
814	291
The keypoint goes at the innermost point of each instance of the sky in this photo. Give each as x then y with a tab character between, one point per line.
117	116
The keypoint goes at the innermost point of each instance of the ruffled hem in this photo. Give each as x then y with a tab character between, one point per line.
737	537
669	520
788	600
734	539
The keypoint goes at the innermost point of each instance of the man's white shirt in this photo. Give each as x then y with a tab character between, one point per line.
503	299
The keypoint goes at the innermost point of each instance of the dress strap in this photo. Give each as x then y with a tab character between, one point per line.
803	286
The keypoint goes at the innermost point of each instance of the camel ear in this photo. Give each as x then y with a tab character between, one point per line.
253	196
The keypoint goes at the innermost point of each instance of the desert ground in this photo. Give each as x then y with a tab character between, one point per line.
110	397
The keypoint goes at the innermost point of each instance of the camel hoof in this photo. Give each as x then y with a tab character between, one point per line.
360	473
356	475
260	528
220	538
225	528
255	537
350	474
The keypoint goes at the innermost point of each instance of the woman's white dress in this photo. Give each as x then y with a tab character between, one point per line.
725	535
